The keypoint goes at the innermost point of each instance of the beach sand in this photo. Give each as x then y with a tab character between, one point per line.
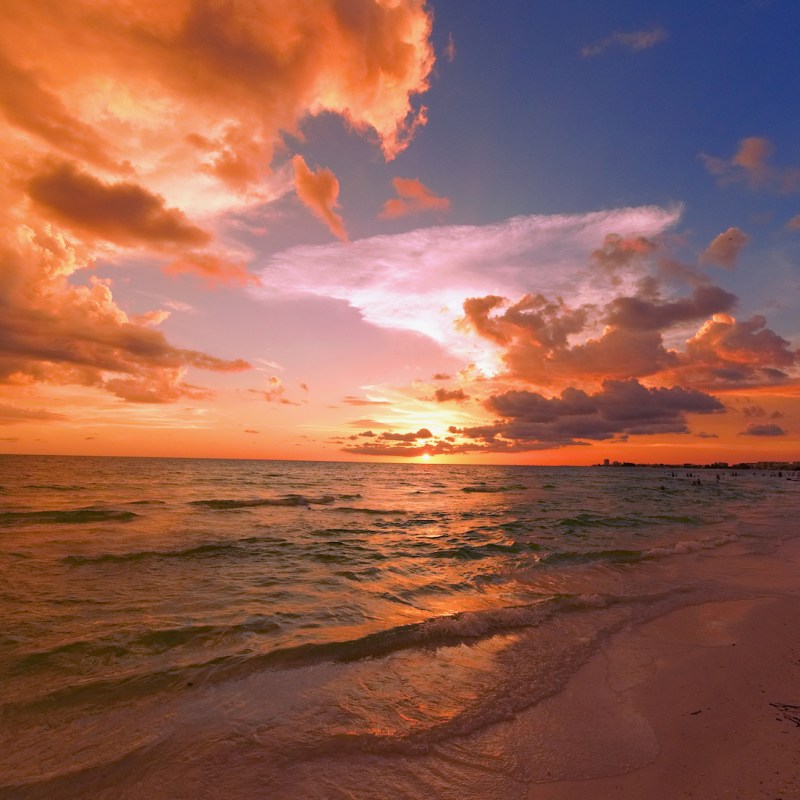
697	703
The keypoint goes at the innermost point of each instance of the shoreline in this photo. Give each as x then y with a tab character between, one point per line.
700	702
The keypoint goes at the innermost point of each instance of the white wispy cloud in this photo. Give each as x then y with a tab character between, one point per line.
418	280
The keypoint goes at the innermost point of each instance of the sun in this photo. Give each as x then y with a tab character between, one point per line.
426	456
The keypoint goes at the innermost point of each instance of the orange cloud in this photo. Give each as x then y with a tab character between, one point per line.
54	332
123	213
275	392
214	269
725	248
794	223
546	342
11	415
122	122
319	191
239	73
413	198
34	109
729	354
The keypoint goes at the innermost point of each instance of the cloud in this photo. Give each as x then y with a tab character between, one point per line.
369	423
794	223
618	253
620	407
319	192
637	313
628	40
730	354
11	415
123	212
528	421
350	400
448	395
751	165
275	392
422	433
34	109
418	280
759	412
538	335
413	198
54	332
229	73
767	429
450	48
214	269
120	127
725	248
393	444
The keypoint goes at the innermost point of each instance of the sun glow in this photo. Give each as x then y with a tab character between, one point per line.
426	456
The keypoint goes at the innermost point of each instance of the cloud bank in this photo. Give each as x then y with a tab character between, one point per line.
130	130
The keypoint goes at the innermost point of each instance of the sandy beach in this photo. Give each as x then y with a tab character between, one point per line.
703	702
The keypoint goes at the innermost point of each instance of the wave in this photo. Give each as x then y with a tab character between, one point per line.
373	511
235	547
446	631
484	489
201	551
471	552
622	556
53	487
286	500
592	520
71	516
573	557
148	643
690	546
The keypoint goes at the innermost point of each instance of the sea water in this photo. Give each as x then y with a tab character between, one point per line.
176	628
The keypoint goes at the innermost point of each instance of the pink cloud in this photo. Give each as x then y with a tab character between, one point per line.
413	198
751	165
725	248
450	49
628	40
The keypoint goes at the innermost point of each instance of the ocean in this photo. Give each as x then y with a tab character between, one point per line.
177	628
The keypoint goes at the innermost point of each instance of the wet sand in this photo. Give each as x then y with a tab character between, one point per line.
698	703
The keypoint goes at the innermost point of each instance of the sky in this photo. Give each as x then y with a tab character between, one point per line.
518	233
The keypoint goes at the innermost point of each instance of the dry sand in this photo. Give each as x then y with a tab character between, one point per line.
703	702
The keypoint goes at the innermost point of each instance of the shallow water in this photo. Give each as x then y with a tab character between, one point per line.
190	628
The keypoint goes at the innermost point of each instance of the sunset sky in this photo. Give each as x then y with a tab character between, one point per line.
517	232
